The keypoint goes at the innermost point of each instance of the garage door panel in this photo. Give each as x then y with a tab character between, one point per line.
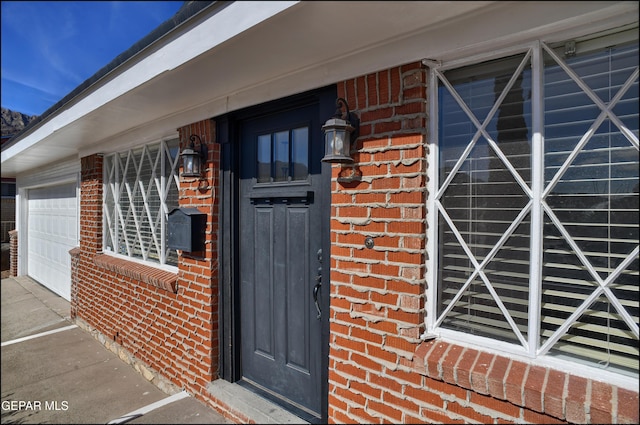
52	232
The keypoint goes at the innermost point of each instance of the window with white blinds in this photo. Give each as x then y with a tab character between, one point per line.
536	197
140	189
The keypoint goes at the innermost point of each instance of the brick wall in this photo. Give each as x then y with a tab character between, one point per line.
379	369
166	320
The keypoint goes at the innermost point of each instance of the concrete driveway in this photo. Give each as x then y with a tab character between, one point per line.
55	372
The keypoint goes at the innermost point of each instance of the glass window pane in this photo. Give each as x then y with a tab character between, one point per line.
596	201
484	198
281	156
300	153
264	158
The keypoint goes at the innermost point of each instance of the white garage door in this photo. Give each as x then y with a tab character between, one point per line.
52	232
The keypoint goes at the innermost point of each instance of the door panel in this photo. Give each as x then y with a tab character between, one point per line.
281	231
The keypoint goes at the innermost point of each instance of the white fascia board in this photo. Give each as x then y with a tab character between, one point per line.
213	31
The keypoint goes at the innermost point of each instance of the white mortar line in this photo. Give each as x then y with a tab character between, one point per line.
148	408
26	338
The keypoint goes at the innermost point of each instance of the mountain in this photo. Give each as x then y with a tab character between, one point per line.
13	122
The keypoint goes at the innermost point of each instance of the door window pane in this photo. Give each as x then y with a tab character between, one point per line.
300	153
281	153
283	156
264	158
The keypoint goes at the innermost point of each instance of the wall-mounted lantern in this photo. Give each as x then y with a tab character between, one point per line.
193	158
340	132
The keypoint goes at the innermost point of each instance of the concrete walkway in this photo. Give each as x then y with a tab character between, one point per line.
55	372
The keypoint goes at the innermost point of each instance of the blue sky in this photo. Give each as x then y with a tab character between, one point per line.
51	47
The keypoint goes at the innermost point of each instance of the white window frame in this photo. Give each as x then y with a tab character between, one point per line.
529	351
161	184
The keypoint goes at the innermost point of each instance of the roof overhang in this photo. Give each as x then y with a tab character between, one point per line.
248	53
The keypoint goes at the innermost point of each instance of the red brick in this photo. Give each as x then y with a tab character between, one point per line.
407	227
383	326
386	409
336	416
348	343
398	344
479	373
414	93
468	412
496	376
337	379
464	366
448	389
383	87
377	352
554	394
494	404
386	382
387	126
434	357
433	416
449	362
363	416
533	388
366	362
352	397
576	397
405	377
513	383
601	409
361	94
386	212
421	396
627	406
370	198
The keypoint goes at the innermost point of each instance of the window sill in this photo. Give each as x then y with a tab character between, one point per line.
536	387
150	275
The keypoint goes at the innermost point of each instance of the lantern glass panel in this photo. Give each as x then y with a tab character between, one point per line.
190	164
335	142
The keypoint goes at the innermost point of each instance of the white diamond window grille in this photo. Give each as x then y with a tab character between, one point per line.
140	189
537	203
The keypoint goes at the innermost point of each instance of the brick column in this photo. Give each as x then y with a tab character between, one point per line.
91	205
13	253
377	290
75	260
198	271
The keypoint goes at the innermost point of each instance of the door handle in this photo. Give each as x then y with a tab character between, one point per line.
316	288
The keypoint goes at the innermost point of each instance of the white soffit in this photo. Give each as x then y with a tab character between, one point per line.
252	52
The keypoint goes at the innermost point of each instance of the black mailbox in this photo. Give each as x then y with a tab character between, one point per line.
186	229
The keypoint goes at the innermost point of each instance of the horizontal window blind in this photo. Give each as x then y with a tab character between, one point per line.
588	309
593	193
483	199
